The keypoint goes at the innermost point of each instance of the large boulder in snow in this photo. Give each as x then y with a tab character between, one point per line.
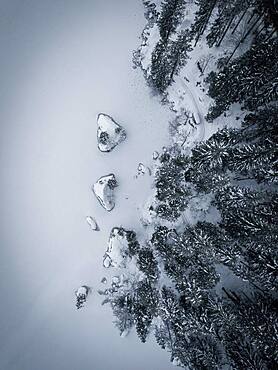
104	191
109	133
121	246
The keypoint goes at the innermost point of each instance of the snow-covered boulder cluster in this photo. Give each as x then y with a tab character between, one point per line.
104	191
121	242
109	133
142	170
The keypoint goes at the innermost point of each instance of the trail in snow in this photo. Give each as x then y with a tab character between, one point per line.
198	110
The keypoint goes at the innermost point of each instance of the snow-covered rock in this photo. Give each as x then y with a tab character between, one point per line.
117	252
116	280
92	223
104	280
83	290
155	155
81	296
109	133
106	261
142	170
104	191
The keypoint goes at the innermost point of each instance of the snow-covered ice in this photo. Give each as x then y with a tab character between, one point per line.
109	133
104	191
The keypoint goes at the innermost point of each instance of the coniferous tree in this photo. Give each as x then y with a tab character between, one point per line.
122	307
205	9
172	192
170	16
147	263
249	79
159	76
167	60
179	52
144	308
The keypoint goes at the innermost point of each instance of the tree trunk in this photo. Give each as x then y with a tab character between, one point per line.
251	28
271	34
243	38
205	25
174	69
225	31
258	33
238	22
252	16
235	300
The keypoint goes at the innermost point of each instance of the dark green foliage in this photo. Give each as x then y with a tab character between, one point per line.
172	191
227	11
250	219
245	212
160	71
250	337
133	244
202	17
144	308
258	159
251	152
214	153
250	79
170	16
147	263
168	59
188	259
169	56
179	50
122	307
261	124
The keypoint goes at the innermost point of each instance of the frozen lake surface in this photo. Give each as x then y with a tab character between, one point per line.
62	63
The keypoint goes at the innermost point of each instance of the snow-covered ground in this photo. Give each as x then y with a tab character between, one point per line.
64	62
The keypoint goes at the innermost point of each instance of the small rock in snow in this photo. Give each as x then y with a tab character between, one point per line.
106	261
109	133
155	155
116	280
124	333
104	191
142	169
81	295
92	223
104	280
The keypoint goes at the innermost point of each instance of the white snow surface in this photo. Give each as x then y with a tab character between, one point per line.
104	192
65	62
115	133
